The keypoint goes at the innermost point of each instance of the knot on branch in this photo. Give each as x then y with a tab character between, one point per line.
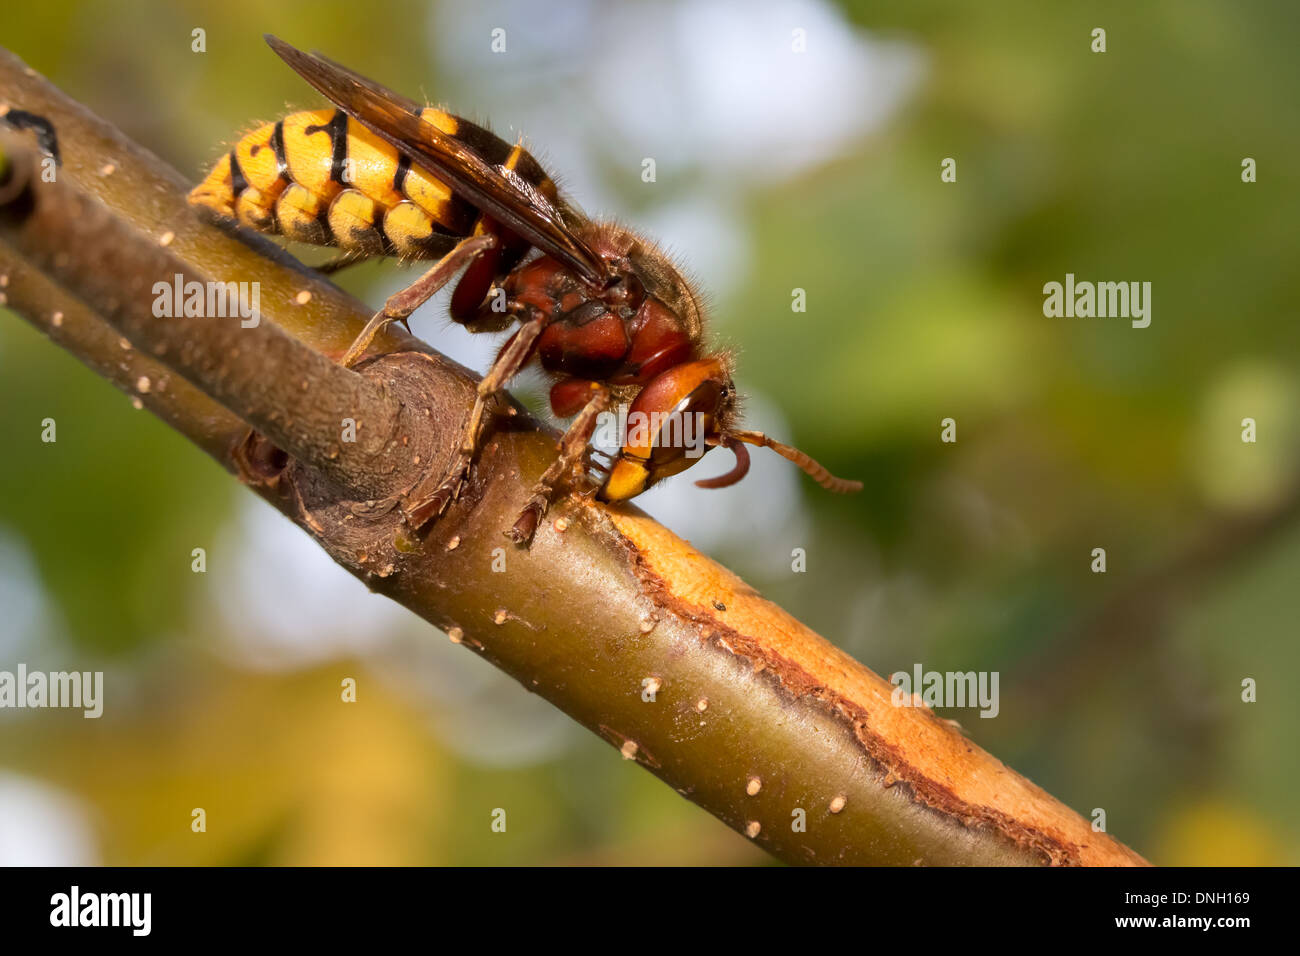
370	534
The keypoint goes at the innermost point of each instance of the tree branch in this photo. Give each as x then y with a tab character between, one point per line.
752	716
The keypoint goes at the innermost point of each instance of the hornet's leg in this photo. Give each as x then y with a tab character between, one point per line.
401	304
423	506
341	262
573	447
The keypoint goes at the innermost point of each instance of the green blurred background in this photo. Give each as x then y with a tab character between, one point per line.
775	170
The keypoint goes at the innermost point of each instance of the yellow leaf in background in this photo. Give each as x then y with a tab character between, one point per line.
285	771
1215	833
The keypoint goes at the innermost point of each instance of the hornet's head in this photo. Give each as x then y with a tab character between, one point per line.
677	417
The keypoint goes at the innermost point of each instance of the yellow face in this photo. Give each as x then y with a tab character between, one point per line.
627	479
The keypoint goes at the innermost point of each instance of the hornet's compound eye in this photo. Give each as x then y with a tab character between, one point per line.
669	427
682	432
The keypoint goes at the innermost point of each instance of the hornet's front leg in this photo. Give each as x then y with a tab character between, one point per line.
573	447
423	506
402	304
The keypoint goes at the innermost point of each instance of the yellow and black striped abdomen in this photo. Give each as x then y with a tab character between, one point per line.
321	177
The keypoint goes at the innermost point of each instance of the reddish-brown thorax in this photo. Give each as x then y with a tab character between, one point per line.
620	334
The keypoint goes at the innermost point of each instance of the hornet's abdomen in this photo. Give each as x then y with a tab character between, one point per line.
320	177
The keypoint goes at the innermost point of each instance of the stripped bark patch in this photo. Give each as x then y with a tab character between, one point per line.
912	749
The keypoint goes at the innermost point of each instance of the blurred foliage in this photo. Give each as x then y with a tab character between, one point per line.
924	302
